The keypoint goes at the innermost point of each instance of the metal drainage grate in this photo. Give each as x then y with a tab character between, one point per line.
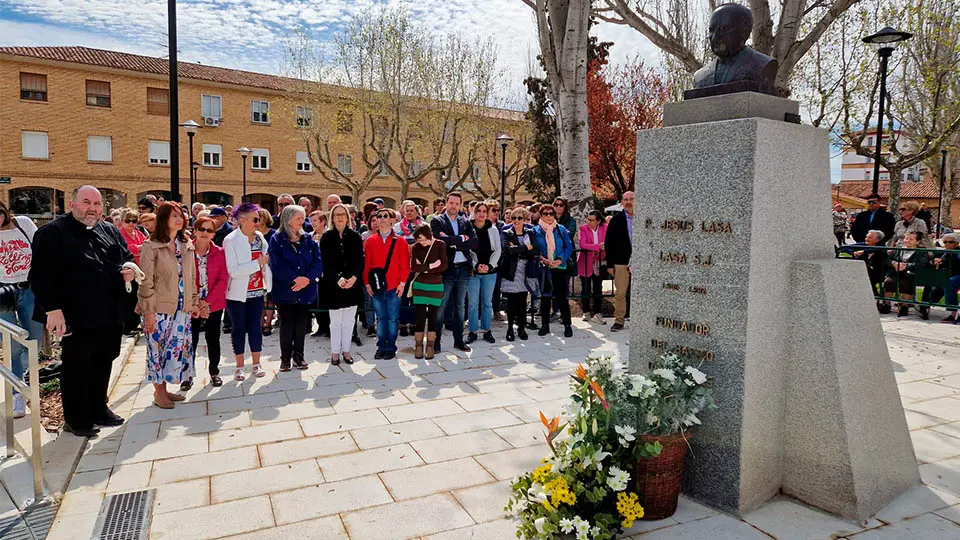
125	516
33	524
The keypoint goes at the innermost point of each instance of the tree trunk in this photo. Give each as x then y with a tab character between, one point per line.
951	190
893	199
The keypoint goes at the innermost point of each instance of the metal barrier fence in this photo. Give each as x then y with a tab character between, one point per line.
11	333
910	275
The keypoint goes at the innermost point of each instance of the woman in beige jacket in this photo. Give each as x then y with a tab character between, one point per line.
168	300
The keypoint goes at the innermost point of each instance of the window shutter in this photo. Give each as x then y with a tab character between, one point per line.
35	145
33	82
159	152
99	148
158	101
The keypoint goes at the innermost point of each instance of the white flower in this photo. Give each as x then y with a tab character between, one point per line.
626	433
699	377
618	479
574	440
571	411
595	532
582	525
665	374
566	525
538	523
596	459
652	419
690	420
537	493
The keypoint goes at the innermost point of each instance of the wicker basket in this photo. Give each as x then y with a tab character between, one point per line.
658	479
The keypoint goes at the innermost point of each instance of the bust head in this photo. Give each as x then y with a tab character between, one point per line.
730	26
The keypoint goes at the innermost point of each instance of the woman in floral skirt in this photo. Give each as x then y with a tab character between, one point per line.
168	300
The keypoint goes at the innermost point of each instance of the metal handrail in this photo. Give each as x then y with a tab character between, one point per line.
897	296
10	333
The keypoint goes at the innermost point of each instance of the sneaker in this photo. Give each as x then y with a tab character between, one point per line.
616	327
598	318
555	317
586	317
471	337
186	385
258	370
19	406
951	319
239	375
488	337
462	347
216	381
378	355
389	356
371	331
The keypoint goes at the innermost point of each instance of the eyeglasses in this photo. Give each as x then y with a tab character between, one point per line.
384	216
255	220
517	218
134	221
547	214
202	229
560	204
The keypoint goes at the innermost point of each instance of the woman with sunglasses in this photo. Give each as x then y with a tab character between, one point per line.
519	262
168	301
250	281
212	281
909	222
342	252
483	279
555	247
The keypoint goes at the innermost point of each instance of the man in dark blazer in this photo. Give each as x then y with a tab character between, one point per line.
619	247
873	217
460	237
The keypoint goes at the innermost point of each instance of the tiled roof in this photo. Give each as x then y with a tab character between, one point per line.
911	190
186	70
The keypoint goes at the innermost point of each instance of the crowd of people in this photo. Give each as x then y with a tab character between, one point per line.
175	273
925	258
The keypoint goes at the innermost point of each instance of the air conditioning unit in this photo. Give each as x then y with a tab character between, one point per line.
210	121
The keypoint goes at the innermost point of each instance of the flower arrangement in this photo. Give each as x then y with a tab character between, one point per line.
583	488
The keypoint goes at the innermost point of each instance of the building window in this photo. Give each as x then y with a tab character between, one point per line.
158	101
210	106
476	174
866	174
415	168
159	152
98	93
303	162
99	149
304	117
344	122
261	159
211	155
870	142
33	86
260	111
35	145
345	164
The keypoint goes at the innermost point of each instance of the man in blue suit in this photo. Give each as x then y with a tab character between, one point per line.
458	233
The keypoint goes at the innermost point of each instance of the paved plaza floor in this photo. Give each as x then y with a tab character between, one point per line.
426	449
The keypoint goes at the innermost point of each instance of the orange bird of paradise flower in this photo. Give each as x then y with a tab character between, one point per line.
580	374
553	427
599	392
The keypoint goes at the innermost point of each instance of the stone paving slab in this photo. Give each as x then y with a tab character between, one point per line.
426	449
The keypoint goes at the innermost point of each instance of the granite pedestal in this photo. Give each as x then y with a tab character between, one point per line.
724	209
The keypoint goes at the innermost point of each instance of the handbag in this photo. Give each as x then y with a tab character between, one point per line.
8	291
415	276
377	277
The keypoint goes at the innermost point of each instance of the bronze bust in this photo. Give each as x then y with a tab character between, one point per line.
737	67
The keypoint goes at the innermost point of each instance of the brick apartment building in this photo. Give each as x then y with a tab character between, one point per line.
87	116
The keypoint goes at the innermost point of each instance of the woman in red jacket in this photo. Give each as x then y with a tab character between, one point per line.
212	281
590	265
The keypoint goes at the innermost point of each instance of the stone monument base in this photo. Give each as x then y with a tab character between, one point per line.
800	370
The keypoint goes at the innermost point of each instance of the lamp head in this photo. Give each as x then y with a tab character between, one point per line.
244	152
190	127
887	39
503	140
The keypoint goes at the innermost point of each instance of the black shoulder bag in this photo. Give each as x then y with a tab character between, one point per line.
377	277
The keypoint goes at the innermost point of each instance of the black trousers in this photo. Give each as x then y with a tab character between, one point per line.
556	295
294	324
426	318
211	334
516	309
592	293
87	357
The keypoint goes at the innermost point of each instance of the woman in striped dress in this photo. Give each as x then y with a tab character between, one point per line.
429	263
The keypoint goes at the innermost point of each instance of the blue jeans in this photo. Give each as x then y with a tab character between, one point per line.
246	324
480	291
368	314
23	317
950	293
455	281
387	306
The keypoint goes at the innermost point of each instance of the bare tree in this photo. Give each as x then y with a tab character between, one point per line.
563	29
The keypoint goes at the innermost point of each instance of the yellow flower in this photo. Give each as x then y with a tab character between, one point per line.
629	508
540	474
560	492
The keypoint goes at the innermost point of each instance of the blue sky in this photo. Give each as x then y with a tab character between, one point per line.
246	34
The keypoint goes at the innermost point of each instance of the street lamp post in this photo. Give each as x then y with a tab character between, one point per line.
943	179
244	152
191	128
885	41
503	140
195	169
174	100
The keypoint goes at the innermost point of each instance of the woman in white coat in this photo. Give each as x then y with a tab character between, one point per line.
250	281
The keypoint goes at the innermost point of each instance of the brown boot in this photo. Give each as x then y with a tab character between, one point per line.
431	337
418	345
